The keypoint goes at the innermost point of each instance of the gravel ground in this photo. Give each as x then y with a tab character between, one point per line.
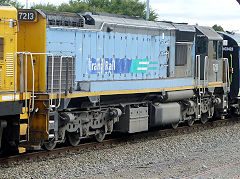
171	157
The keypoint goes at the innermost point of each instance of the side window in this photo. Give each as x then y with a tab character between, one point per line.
215	49
201	46
181	54
1	48
220	49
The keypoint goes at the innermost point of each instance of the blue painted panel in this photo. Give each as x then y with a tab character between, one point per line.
86	52
139	84
109	54
100	54
172	54
120	53
141	53
93	52
156	61
164	43
131	53
60	42
153	58
80	76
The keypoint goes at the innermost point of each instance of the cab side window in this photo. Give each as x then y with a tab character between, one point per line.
215	49
201	46
220	49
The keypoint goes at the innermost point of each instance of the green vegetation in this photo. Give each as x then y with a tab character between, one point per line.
218	28
13	3
133	8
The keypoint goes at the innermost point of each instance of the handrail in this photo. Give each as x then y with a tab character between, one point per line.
198	81
197	70
227	75
204	79
60	78
25	83
15	80
33	81
51	99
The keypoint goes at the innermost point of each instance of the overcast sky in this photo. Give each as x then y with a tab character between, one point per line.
204	12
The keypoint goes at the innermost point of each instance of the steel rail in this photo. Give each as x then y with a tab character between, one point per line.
41	155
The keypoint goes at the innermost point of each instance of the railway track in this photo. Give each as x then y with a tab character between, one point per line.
41	155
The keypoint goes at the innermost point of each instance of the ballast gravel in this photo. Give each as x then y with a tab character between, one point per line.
198	154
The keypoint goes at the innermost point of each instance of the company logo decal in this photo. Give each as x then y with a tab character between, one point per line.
124	65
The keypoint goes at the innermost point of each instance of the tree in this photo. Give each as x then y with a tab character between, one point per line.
13	3
218	28
133	8
47	6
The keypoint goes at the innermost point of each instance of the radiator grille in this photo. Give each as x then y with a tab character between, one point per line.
56	73
9	65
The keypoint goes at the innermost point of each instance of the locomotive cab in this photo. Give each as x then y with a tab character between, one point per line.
13	103
231	50
209	49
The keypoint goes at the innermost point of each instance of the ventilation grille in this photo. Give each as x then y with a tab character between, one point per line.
64	19
67	79
9	65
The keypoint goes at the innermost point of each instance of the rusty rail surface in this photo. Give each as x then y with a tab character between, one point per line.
41	155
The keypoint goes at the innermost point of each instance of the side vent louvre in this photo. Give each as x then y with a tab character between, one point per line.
68	73
9	65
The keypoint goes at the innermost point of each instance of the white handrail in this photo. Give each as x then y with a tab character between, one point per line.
197	70
15	79
204	79
60	78
227	75
33	81
51	99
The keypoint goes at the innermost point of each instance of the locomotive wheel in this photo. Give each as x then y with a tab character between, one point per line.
174	125
73	138
50	145
204	118
100	136
190	122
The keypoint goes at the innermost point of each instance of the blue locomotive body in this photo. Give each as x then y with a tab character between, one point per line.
128	58
106	73
91	74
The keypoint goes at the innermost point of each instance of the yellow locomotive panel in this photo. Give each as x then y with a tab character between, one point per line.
32	38
8	47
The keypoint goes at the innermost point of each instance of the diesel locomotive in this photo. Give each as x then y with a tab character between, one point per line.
75	76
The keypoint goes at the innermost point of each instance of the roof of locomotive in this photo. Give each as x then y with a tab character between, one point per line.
120	20
233	35
103	21
209	32
62	18
184	27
